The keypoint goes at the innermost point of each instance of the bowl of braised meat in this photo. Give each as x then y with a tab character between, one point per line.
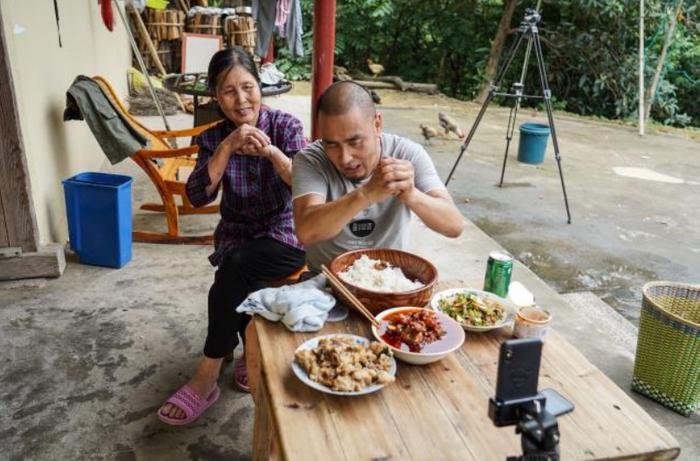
418	335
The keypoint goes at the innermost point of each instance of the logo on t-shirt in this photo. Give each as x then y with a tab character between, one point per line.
362	227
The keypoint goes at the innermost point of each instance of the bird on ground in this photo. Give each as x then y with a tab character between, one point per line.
428	132
450	124
375	96
340	74
376	68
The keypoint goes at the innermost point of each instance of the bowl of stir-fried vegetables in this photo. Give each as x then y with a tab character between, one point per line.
475	310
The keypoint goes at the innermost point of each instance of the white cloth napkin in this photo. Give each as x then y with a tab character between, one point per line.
300	307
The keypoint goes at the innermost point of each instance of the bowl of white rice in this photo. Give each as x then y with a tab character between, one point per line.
383	278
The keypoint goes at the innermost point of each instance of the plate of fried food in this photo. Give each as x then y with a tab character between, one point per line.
476	310
344	364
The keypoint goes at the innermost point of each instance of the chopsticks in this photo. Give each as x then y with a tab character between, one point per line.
338	285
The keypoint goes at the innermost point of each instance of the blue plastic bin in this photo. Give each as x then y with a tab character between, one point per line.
533	143
99	218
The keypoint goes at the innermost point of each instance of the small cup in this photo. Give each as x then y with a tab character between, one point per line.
532	322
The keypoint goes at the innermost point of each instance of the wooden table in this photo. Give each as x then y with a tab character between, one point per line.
439	411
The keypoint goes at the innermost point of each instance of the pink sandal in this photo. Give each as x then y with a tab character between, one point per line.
240	375
191	403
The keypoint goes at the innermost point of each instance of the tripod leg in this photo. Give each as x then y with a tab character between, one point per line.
509	136
548	105
471	133
463	149
494	87
514	111
509	59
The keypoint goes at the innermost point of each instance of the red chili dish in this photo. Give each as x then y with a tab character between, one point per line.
413	330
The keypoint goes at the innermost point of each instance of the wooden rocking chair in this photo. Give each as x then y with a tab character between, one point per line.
164	175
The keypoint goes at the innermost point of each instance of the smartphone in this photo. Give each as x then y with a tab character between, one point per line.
518	369
516	382
556	404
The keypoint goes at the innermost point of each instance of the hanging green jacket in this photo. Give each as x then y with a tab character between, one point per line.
85	100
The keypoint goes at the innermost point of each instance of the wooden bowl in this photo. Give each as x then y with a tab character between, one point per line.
414	267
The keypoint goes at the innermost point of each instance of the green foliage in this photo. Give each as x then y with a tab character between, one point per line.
294	68
590	49
297	68
683	74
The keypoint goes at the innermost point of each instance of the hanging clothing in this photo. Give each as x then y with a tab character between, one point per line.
294	29
85	100
265	14
281	16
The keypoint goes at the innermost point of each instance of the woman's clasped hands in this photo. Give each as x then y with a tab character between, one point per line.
248	140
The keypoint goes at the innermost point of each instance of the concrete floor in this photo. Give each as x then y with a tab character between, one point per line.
88	358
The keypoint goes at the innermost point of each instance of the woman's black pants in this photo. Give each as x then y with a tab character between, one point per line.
243	271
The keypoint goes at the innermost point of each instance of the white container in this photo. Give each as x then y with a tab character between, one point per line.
532	322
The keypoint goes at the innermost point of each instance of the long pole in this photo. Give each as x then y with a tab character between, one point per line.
137	53
641	67
143	33
324	49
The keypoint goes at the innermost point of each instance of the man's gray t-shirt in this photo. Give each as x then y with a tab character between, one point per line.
381	225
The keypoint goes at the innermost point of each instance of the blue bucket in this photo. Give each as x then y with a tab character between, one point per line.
98	206
533	143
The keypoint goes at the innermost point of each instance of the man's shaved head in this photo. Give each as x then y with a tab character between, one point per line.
341	97
349	129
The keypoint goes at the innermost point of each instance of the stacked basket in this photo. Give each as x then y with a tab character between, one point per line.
667	363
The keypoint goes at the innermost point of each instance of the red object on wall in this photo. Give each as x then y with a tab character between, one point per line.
323	54
107	16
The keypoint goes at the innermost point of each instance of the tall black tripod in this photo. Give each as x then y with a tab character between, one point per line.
527	30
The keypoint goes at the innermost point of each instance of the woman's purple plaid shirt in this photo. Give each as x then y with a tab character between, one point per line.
255	202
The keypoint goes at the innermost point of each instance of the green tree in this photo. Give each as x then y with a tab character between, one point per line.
590	49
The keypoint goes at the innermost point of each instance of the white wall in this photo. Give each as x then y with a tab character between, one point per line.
42	72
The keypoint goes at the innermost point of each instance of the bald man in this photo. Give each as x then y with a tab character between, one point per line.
356	186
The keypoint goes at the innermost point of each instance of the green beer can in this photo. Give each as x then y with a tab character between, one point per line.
498	271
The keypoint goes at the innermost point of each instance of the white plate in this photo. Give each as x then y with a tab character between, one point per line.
507	305
304	377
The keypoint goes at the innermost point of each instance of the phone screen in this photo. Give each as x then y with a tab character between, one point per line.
518	369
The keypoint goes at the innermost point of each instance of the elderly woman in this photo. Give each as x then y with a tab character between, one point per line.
249	154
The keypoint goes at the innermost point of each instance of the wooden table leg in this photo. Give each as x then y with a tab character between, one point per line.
262	425
265	443
252	357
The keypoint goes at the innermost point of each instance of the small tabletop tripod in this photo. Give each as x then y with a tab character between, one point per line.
539	436
527	30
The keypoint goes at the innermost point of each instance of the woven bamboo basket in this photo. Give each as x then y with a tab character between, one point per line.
667	363
240	31
165	24
204	23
